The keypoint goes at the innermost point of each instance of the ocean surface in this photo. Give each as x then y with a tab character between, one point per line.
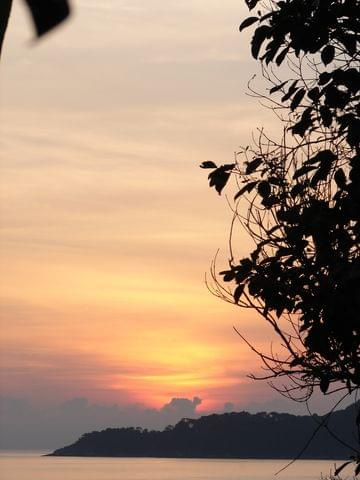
34	466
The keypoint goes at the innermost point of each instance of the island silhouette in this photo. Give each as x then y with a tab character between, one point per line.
229	435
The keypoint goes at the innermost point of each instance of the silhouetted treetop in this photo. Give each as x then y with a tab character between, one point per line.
298	196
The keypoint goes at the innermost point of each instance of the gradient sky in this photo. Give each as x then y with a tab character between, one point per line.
108	225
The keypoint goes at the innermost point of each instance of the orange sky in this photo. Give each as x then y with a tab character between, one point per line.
108	225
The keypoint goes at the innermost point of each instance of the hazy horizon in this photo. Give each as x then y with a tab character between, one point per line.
27	426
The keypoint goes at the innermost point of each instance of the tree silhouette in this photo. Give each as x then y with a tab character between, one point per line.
46	14
299	197
227	435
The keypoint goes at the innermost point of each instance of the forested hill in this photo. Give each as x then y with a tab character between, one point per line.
229	435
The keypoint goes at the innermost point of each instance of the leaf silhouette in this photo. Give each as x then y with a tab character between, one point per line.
259	36
246	189
247	22
253	165
47	14
208	164
238	292
297	98
327	54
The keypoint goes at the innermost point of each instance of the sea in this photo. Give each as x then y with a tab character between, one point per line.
16	465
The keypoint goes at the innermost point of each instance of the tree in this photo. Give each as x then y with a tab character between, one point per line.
303	197
46	14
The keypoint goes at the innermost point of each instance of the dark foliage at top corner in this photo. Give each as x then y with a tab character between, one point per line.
328	31
47	14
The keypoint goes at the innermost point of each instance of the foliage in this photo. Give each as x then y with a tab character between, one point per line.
46	14
5	8
329	30
303	196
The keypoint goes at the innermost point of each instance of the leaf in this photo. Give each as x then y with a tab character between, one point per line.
276	181
253	165
321	157
229	275
270	201
314	94
290	92
324	384
247	22
335	97
243	272
303	170
352	80
228	166
297	98
238	292
208	164
324	78
47	14
246	189
272	49
5	10
251	3
297	190
218	179
278	87
327	54
326	116
320	174
280	58
340	178
297	361
304	124
258	38
353	136
264	189
349	41
246	263
325	158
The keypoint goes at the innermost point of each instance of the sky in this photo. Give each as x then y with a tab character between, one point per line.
108	225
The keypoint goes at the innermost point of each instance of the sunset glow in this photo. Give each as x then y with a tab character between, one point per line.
108	224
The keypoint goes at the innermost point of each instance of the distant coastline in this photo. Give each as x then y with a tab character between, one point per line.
226	436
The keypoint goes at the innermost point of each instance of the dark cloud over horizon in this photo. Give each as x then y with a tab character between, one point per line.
29	426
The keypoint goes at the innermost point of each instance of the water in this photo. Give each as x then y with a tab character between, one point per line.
33	466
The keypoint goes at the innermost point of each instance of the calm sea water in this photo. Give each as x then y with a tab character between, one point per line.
33	466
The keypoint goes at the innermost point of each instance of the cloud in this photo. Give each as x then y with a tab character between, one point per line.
183	406
29	426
